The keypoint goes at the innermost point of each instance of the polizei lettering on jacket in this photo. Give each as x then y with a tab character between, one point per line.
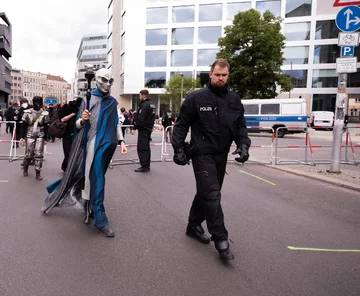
205	109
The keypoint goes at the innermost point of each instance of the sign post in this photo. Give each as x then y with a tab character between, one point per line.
348	21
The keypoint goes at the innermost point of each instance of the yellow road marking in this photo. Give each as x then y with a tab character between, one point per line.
322	250
257	177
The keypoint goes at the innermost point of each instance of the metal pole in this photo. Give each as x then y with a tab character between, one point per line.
338	124
291	67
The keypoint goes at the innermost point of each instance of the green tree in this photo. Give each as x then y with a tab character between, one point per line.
253	46
173	90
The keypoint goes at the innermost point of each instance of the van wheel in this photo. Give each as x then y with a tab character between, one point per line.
281	132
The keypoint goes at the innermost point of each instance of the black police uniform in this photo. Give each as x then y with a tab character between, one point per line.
15	113
216	118
144	123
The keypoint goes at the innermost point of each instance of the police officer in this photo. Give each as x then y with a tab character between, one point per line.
144	123
216	118
15	113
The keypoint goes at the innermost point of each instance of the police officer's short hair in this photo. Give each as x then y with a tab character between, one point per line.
144	92
222	63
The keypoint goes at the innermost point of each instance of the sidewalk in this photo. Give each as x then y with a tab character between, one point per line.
348	178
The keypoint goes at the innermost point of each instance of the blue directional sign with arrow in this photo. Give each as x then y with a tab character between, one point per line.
348	19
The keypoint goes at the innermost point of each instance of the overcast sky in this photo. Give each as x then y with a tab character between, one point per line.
46	34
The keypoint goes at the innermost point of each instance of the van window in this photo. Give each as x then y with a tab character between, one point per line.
251	109
291	109
270	109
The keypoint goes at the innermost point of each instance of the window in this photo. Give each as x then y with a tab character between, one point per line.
155	58
110	42
296	55
157	15
123	22
234	8
273	6
325	54
296	8
156	37
354	80
209	35
206	57
326	30
291	109
183	14
297	31
110	9
268	109
251	109
325	78
182	36
122	62
204	78
210	12
155	79
109	58
110	26
181	58
185	73
324	102
298	77
122	81
122	43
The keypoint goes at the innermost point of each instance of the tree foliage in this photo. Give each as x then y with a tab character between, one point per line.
173	90
254	45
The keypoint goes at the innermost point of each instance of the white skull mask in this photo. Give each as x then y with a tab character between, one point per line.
104	80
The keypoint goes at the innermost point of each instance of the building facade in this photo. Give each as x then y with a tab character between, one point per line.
92	50
57	87
17	84
5	55
34	84
154	39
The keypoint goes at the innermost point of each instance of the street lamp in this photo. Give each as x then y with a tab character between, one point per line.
182	89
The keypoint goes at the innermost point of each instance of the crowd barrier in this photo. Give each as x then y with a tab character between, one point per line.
13	153
309	148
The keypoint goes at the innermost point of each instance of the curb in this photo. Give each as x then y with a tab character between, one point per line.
308	175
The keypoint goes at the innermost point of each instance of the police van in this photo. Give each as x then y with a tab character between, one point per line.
262	115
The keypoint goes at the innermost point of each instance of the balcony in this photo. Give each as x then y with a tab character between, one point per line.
5	36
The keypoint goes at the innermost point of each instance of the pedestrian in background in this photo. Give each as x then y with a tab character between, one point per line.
216	118
144	123
167	120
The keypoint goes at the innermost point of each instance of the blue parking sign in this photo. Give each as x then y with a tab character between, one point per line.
347	51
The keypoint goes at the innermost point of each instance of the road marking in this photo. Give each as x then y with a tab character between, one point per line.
322	250
4	181
257	177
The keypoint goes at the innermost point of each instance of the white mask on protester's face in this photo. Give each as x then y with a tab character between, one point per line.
24	105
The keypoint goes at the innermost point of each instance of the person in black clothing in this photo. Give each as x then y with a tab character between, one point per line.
14	113
216	118
125	119
167	121
51	111
68	114
144	123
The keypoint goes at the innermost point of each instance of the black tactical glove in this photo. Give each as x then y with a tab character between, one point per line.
180	157
243	151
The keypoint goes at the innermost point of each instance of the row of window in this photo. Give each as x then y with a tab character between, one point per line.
214	12
210	35
322	78
101	46
16	78
180	58
181	36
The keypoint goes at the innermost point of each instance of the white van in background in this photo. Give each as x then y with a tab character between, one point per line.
321	120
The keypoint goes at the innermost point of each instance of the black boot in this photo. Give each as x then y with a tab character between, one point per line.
223	248
25	171
38	175
106	231
142	170
197	232
88	212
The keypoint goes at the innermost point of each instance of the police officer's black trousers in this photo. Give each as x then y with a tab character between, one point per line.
143	147
209	174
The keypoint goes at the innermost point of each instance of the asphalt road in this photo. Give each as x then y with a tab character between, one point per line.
266	211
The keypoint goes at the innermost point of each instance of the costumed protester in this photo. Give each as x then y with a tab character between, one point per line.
33	133
103	135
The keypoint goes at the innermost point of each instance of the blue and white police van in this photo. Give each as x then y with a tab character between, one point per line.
262	115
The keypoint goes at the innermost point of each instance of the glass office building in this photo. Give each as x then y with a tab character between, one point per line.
160	38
